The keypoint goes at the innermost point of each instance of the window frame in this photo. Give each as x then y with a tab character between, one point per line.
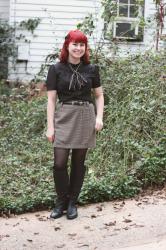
131	20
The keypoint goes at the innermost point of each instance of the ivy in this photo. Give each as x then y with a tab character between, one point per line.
30	24
7	46
130	153
87	26
8	41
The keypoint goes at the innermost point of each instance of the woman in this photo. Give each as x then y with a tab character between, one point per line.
72	126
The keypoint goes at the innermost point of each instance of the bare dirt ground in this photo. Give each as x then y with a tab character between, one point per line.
132	224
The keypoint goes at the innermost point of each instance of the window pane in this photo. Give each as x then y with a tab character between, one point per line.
123	10
133	11
123	1
124	30
133	1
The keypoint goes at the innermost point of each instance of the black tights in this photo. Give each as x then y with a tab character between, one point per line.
69	187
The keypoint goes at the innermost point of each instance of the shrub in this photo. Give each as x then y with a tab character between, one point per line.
130	153
7	46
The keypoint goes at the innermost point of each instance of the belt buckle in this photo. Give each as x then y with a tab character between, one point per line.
80	103
77	103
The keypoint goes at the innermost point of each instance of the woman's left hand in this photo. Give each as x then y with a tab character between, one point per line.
99	124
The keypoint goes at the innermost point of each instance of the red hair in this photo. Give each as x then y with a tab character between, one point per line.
78	37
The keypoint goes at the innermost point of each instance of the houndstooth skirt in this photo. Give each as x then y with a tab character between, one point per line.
75	126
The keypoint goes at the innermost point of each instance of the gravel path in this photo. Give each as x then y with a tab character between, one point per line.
133	224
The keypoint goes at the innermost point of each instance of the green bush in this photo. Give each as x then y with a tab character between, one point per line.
7	46
130	153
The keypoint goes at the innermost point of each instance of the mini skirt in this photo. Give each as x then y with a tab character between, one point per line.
75	126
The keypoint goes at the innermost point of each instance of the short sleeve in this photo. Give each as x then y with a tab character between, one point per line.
51	81
96	77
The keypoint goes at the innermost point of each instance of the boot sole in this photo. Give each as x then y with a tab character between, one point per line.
72	217
56	217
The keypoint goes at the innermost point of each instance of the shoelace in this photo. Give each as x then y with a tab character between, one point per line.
77	80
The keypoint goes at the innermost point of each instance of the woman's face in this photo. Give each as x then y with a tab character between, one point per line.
76	50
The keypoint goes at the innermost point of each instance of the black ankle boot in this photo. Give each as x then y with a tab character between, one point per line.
58	210
61	181
72	210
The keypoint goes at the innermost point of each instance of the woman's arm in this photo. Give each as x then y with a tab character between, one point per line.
99	99
52	95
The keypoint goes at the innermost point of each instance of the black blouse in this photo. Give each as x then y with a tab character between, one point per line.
59	76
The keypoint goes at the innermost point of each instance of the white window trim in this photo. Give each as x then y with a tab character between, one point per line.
131	20
126	21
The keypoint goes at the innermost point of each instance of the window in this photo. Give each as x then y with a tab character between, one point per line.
127	8
127	22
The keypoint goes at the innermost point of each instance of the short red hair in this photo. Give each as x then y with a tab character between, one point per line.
78	37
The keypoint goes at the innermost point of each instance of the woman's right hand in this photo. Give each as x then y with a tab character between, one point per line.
50	135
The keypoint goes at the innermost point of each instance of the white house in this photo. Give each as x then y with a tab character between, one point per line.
58	17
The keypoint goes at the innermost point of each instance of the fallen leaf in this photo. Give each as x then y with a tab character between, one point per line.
127	220
122	204
139	203
83	245
37	215
29	240
60	246
139	225
93	216
72	234
16	224
3	236
99	208
110	223
24	218
42	218
136	198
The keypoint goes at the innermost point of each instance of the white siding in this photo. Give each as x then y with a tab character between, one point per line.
57	18
4	9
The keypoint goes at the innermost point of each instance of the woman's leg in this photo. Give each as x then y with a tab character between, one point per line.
77	172
61	180
76	179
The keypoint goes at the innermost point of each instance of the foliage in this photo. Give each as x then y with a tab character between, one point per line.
160	15
109	16
135	114
87	26
30	24
50	59
103	40
25	154
130	153
8	41
7	46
